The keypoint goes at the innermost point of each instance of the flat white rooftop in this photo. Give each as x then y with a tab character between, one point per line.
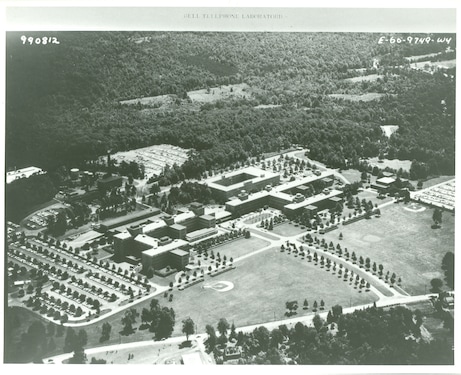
179	252
184	216
123	236
153	226
314	199
162	249
251	197
303	181
255	174
146	240
200	232
386	180
22	173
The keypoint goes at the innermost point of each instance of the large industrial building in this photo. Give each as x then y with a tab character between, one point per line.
162	240
250	179
291	198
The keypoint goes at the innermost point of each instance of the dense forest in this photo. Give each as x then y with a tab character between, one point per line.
63	101
374	336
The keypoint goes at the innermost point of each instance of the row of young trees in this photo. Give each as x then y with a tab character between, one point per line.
365	263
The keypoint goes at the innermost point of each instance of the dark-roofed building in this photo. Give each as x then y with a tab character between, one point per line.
311	209
303	189
178	231
197	208
201	233
127	219
110	182
383	184
179	259
328	181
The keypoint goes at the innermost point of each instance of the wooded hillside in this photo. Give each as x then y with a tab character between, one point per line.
63	101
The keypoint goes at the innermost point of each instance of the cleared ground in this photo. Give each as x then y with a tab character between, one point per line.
154	158
214	94
391	163
262	285
403	242
352	175
388	130
417	57
367	78
446	63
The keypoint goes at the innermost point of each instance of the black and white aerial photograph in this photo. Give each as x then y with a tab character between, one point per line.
215	197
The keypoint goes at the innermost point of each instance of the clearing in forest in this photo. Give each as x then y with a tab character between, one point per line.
213	94
388	130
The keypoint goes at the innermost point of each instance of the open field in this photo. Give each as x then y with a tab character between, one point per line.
429	55
367	78
239	247
356	98
214	94
262	285
445	63
394	163
352	175
403	242
266	106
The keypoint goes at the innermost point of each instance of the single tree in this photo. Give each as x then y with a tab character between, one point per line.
306	304
436	285
223	326
188	327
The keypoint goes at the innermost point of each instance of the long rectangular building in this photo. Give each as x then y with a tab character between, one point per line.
279	198
249	179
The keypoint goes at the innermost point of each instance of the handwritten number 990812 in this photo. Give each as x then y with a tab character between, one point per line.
39	40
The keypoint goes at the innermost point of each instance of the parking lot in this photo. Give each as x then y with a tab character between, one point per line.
76	279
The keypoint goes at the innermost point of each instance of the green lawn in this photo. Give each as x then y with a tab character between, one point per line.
288	230
352	175
262	285
391	163
403	242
